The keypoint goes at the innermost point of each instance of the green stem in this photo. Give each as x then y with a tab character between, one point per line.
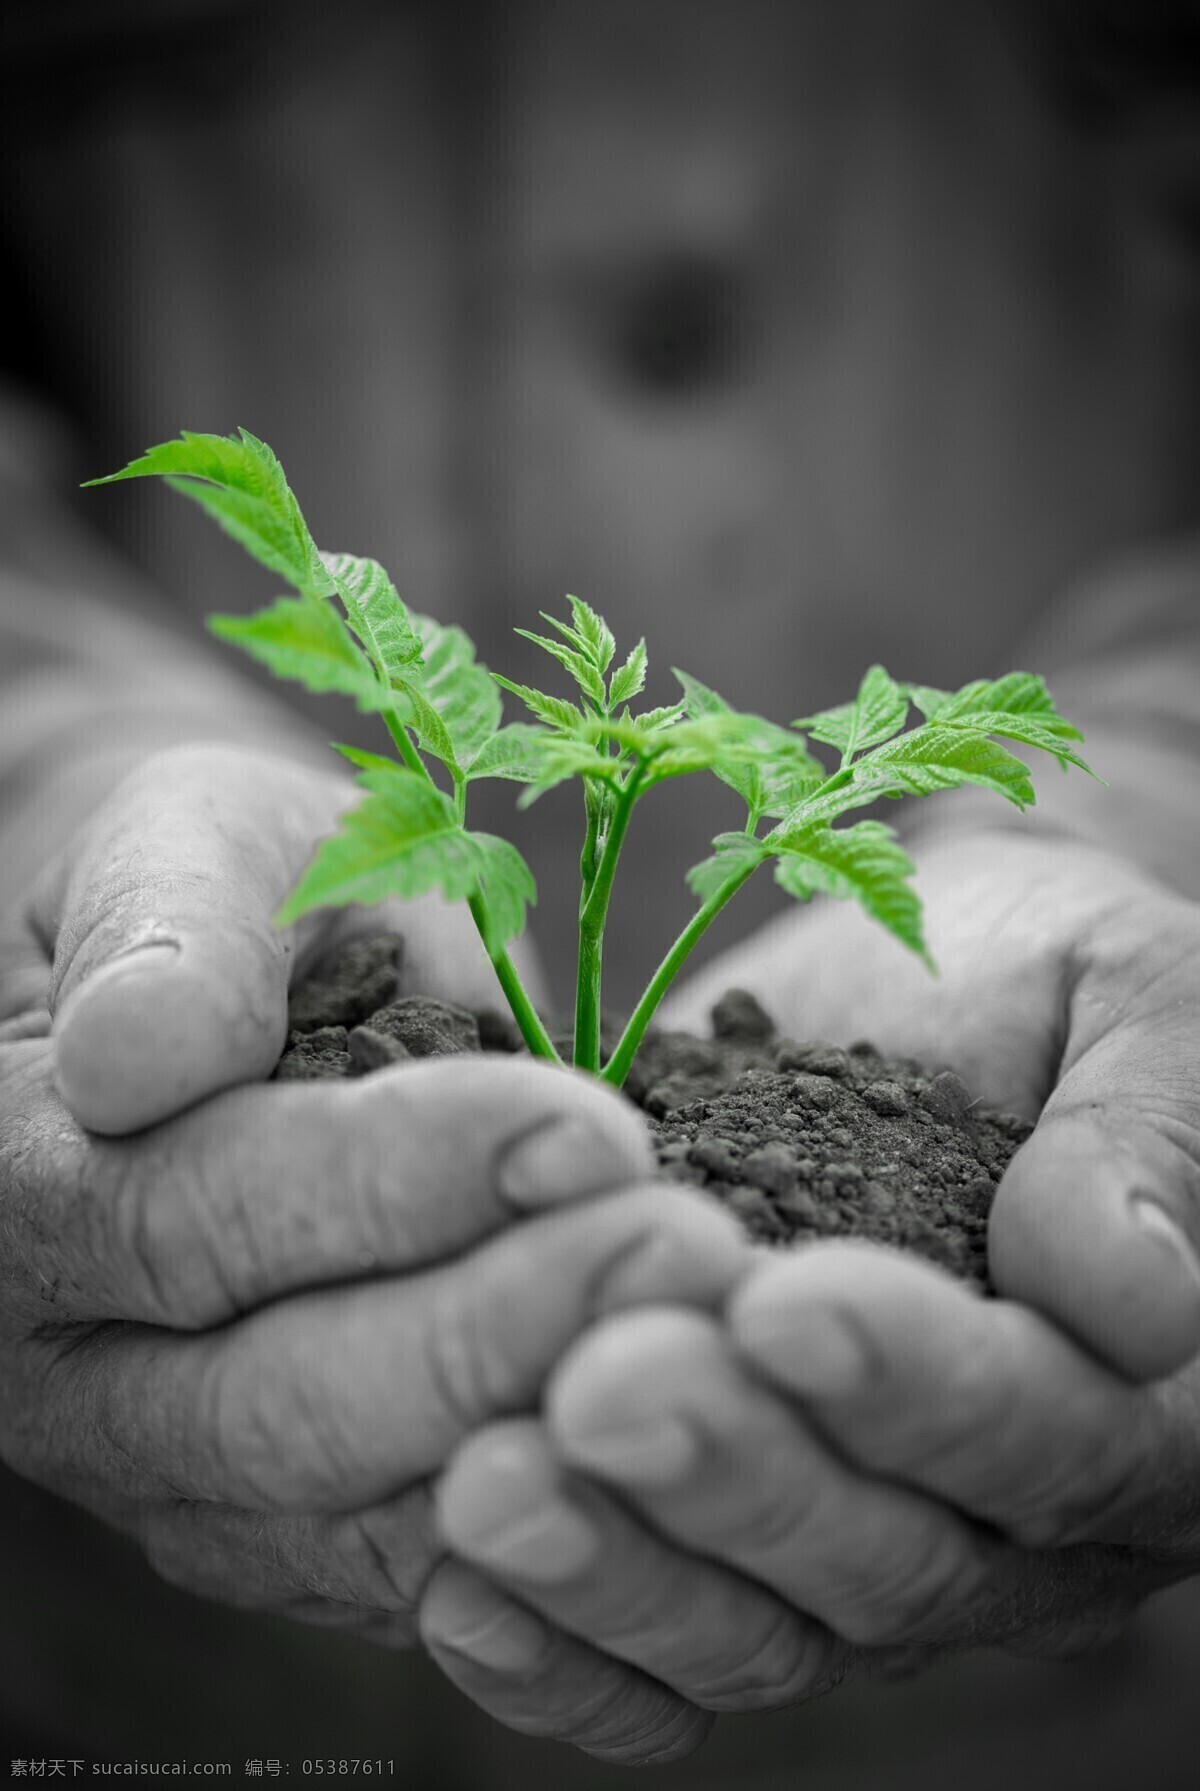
405	747
617	1067
592	918
523	1010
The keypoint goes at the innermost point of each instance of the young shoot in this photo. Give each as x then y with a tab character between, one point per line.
345	629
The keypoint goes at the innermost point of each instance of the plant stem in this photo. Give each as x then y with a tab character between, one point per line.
592	918
405	747
523	1010
617	1067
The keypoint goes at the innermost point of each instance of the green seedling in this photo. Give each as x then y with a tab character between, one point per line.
347	630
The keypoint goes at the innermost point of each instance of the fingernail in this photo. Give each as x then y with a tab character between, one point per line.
508	1640
151	956
558	1158
644	1456
551	1543
1166	1234
818	1352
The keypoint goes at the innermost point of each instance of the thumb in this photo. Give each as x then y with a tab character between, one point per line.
169	981
1097	1221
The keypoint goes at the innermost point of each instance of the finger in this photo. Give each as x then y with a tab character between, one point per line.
540	1681
569	1551
982	1403
360	1571
365	1572
169	980
655	1403
24	984
1091	1226
267	1189
338	1397
1097	1222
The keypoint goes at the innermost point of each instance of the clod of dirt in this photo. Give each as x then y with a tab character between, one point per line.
364	976
421	1027
800	1139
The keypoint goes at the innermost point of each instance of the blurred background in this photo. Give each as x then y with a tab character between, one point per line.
791	336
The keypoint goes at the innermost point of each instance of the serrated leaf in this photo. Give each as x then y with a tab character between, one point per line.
304	638
629	678
862	861
775	772
509	889
590	636
401	840
433	736
564	758
664	717
517	752
238	480
1017	693
938	757
877	712
556	712
1028	730
457	687
732	852
581	670
376	613
927	699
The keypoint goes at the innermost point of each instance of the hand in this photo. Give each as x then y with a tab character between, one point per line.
251	1330
865	1442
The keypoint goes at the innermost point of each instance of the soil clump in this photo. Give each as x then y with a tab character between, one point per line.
802	1139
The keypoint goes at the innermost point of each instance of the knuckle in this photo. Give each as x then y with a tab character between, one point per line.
912	1595
463	1373
787	1663
1079	1492
264	1436
170	1253
385	1553
627	1720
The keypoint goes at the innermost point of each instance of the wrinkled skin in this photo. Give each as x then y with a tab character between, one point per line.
887	1464
246	1322
202	1318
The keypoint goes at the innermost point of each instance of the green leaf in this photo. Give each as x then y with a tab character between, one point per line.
366	761
591	633
462	691
238	480
517	752
936	757
306	639
654	720
1017	693
556	712
376	614
629	678
732	852
401	840
508	887
580	668
862	861
877	712
433	736
564	758
927	699
774	772
1029	731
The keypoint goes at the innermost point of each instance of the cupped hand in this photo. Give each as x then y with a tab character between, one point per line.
897	1465
248	1321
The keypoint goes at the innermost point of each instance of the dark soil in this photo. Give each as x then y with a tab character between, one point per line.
801	1140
